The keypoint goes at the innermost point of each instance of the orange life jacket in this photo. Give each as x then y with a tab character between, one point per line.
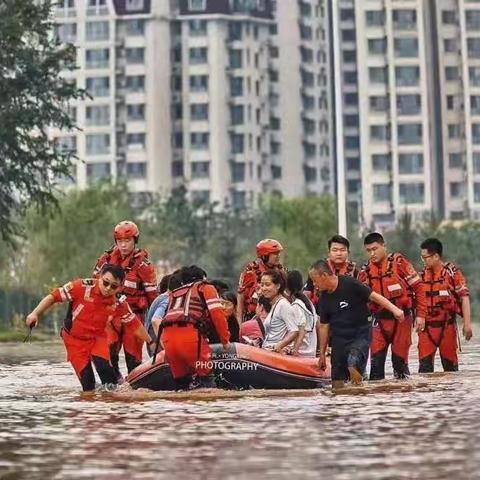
389	284
349	269
186	305
442	300
133	286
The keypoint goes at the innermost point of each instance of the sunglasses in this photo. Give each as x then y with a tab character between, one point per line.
113	286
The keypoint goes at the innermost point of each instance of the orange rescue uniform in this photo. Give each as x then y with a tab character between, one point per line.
140	289
444	288
84	331
249	285
192	310
395	279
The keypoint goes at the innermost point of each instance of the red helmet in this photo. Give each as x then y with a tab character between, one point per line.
267	246
126	229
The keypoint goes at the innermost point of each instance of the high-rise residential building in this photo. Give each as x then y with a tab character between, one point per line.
229	98
410	91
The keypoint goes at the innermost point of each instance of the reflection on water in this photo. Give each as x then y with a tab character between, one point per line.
426	428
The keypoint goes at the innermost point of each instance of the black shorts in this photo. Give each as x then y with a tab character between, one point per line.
351	352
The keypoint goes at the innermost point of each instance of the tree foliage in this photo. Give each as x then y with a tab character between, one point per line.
33	98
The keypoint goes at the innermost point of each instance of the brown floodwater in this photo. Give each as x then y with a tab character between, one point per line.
424	428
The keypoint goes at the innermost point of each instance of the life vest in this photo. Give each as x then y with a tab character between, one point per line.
389	284
133	286
442	300
255	270
349	270
186	305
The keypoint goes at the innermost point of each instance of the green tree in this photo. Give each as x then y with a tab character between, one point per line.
303	225
33	98
67	244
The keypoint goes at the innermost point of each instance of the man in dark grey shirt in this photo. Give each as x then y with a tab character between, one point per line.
344	315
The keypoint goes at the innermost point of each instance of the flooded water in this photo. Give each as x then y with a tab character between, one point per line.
427	430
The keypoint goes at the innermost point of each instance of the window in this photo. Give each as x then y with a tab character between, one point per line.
351	99
353	186
197	5
408	104
349	56
473	47
473	19
234	31
382	162
475	104
350	121
98	58
177	140
136	141
353	164
309	149
97	171
177	111
455	160
305	9
476	192
410	134
310	174
197	28
199	140
177	169
238	172
237	114
236	86
198	83
384	218
305	32
308	126
476	133
97	115
238	143
98	86
134	5
406	47
95	31
66	32
136	112
308	78
450	45
476	162
456	189
379	133
378	75
352	142
98	144
405	19
136	170
382	192
379	103
474	75
407	76
410	163
452	73
449	17
135	27
349	35
198	55
377	46
350	78
135	83
454	131
200	170
200	197
306	54
412	193
199	111
375	18
238	199
308	103
67	144
235	58
135	56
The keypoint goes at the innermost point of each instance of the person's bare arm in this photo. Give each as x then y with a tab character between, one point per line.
387	305
33	318
467	320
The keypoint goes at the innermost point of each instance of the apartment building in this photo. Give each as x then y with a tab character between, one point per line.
228	98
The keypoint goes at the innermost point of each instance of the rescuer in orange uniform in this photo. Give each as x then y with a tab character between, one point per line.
392	276
139	286
447	294
339	262
268	257
93	305
193	309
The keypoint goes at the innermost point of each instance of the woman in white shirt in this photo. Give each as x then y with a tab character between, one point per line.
280	325
305	315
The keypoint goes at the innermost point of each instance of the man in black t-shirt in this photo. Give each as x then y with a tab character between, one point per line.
344	315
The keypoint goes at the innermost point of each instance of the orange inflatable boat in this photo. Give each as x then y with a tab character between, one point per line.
240	367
